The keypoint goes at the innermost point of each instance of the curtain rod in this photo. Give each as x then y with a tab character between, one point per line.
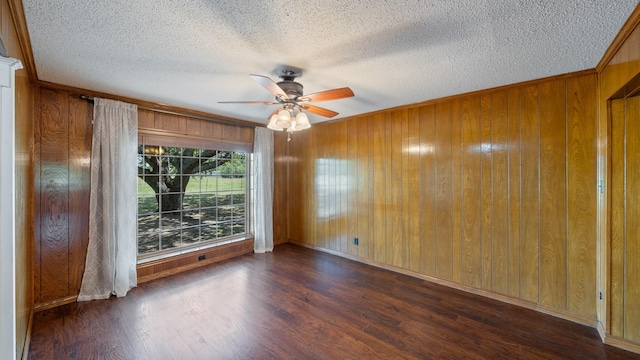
226	122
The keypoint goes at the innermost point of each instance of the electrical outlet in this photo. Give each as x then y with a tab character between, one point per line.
600	295
355	241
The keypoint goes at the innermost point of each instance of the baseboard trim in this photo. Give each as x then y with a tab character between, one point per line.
27	339
503	298
55	303
622	344
601	331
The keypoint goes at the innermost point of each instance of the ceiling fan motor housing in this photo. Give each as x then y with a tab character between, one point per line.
291	88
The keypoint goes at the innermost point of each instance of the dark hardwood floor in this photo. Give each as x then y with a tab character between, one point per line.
298	303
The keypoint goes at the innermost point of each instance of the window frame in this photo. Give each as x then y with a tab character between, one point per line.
152	138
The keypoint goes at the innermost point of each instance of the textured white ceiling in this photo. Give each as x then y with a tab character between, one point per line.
194	53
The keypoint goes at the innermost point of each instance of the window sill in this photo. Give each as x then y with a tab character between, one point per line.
172	253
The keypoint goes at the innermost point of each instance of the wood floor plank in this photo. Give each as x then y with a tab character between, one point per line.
298	303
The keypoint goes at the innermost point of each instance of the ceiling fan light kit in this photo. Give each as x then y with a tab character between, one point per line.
288	94
290	120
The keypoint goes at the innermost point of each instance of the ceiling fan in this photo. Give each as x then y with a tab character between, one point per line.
288	93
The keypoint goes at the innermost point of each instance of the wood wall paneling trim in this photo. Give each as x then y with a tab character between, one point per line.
148	105
452	98
622	343
27	340
20	25
622	36
55	303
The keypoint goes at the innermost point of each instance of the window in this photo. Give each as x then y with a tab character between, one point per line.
189	196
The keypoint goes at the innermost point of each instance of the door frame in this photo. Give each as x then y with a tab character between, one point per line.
8	345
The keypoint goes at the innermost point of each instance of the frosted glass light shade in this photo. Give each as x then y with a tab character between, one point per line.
284	119
303	121
273	123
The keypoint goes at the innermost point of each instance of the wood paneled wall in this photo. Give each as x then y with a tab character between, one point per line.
24	182
494	190
625	218
63	133
281	193
618	70
24	208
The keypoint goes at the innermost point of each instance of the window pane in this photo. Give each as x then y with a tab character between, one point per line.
170	220
147	204
226	229
209	183
193	185
191	201
209	215
238	227
170	239
210	232
190	235
148	233
208	200
191	217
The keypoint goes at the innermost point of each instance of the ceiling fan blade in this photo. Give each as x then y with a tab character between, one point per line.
319	111
327	95
248	102
270	85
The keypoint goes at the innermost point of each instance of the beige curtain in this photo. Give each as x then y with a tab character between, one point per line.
112	253
263	184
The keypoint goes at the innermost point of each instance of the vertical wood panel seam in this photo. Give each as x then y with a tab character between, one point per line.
491	187
624	232
566	193
520	191
453	182
539	189
460	170
419	120
508	112
480	188
69	233
39	109
435	192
